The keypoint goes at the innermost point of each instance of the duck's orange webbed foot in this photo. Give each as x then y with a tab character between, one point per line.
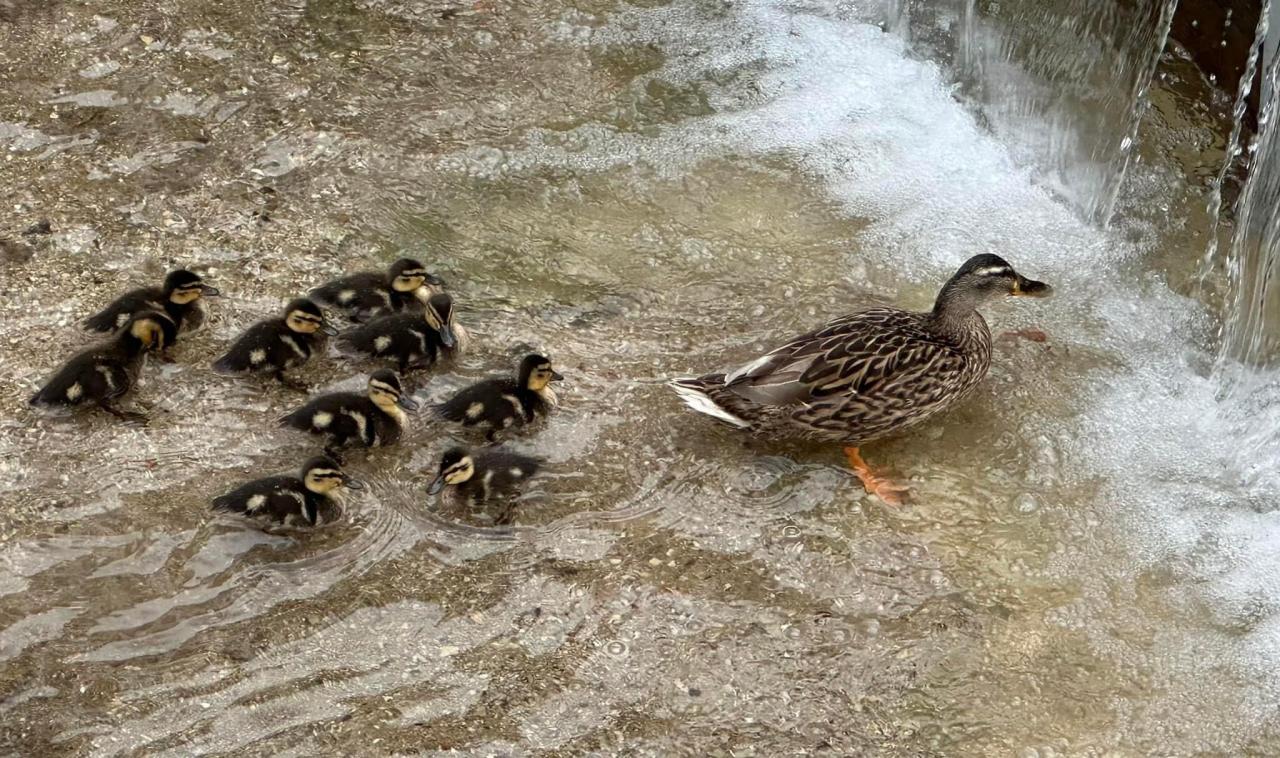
887	490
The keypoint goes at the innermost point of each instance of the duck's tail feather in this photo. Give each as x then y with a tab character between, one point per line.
297	419
693	391
101	322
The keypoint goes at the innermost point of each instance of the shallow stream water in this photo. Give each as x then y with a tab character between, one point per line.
641	190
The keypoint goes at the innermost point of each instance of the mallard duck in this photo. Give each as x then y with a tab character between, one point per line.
279	344
470	479
179	297
868	374
105	372
503	401
369	293
289	499
368	420
415	340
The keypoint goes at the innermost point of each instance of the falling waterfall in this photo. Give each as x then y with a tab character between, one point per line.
1064	83
1250	335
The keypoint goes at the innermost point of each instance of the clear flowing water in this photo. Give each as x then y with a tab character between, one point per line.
641	191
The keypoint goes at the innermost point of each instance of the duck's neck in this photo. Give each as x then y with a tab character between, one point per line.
955	312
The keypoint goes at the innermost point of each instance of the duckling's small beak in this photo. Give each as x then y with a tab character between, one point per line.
446	336
556	376
208	291
329	329
434	280
436	486
408	403
352	484
1024	287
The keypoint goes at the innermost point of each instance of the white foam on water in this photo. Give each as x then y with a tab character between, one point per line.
1190	481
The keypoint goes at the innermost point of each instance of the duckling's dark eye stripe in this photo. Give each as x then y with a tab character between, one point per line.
414	272
387	388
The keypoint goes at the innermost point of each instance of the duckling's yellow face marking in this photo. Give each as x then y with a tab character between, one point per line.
323	480
433	318
541	377
408	281
460	472
149	333
304	323
385	397
187	294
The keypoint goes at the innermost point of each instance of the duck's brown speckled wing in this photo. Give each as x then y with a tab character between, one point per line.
858	377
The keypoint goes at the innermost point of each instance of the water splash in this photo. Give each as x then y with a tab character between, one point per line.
1063	84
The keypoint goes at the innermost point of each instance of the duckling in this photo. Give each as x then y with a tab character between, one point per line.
416	340
106	372
367	420
279	344
474	478
179	297
503	401
289	499
370	293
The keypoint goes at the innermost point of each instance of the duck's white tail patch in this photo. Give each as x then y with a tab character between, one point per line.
702	403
